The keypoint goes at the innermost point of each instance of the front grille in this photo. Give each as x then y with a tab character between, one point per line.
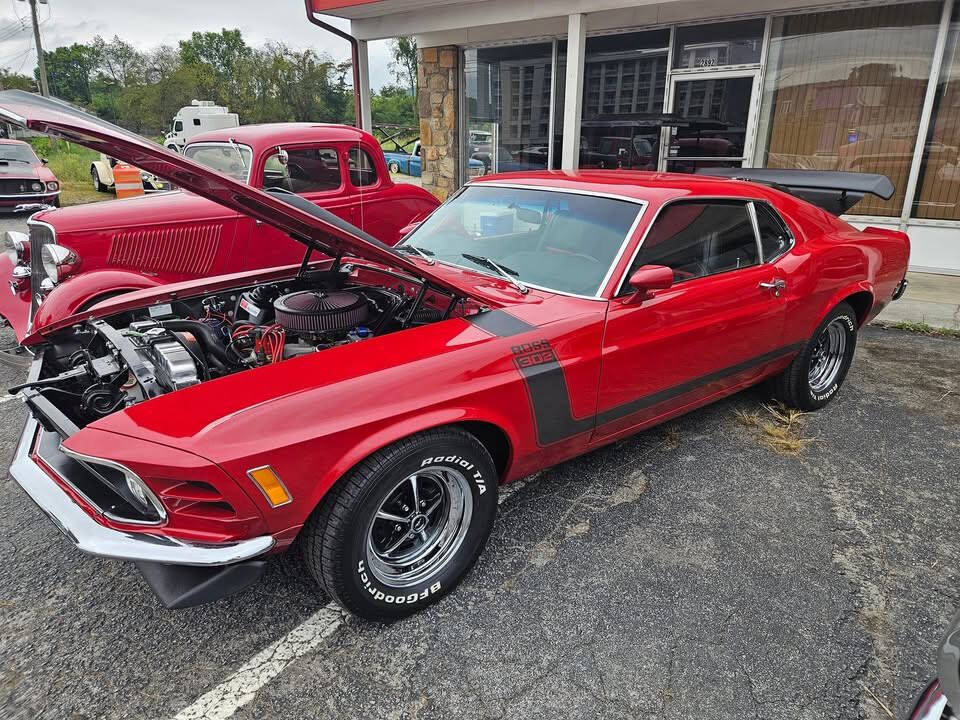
18	187
40	235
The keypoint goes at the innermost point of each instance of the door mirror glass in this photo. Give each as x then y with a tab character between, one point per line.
648	278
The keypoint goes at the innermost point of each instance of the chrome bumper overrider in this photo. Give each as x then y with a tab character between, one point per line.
96	539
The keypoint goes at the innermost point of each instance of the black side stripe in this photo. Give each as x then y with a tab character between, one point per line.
500	323
550	399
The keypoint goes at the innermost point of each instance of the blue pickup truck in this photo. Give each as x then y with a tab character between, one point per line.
409	163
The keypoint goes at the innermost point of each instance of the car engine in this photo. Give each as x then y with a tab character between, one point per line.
104	365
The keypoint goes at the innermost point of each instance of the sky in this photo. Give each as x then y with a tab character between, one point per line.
148	23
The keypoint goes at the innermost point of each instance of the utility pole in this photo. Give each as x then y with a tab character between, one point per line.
42	65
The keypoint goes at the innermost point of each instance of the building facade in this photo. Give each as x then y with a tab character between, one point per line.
677	86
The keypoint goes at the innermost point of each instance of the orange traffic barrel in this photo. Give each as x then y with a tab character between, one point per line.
126	180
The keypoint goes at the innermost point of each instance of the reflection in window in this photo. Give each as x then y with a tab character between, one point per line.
362	170
623	88
844	91
508	106
302	170
729	43
696	239
938	191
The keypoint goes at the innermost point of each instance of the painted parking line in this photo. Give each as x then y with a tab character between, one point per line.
8	398
242	686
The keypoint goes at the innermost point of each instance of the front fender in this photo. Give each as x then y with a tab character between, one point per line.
68	297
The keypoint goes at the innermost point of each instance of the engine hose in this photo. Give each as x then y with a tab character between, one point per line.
207	338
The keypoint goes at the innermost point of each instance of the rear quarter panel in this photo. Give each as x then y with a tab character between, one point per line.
831	260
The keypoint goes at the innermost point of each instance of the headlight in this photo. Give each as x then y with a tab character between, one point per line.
58	261
16	246
53	186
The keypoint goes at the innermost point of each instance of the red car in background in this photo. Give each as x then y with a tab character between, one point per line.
77	256
371	402
24	177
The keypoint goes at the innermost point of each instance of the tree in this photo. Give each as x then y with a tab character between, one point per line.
391	106
119	60
69	70
403	50
218	59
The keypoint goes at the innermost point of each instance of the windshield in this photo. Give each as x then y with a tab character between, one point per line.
18	153
550	239
232	160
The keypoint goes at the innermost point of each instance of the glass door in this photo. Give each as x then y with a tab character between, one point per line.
717	111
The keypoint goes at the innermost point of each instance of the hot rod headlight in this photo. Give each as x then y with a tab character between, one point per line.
16	246
53	186
36	186
58	261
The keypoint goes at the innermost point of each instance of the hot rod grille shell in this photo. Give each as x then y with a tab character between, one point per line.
190	250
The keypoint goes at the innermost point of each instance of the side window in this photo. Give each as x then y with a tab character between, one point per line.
196	121
305	170
696	239
178	126
775	238
362	170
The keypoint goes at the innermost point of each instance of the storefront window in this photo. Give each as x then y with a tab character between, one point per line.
844	91
623	89
938	190
717	44
508	106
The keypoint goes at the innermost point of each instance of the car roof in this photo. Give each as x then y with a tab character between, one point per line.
11	141
633	184
284	133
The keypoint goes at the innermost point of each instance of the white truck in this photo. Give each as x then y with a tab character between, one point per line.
195	118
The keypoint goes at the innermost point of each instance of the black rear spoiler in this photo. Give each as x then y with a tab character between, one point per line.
833	190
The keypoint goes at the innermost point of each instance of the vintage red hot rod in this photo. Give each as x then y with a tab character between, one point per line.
370	403
101	249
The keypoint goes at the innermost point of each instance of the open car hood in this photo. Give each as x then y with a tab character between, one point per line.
313	226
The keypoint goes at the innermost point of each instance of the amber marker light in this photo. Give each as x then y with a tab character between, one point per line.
270	485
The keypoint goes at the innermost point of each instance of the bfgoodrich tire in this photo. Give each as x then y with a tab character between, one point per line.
818	371
405	526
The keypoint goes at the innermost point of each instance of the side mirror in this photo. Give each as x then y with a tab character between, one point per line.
44	161
646	279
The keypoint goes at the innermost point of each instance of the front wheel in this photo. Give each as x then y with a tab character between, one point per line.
394	167
818	371
405	526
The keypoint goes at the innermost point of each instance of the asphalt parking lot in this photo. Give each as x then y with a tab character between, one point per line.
691	571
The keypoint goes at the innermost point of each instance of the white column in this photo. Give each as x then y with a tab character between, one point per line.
363	61
573	91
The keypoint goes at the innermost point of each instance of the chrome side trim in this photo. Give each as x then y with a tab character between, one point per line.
91	537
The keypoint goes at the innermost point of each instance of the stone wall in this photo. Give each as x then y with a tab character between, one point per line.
437	81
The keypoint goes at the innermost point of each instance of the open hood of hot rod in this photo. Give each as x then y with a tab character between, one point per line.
301	219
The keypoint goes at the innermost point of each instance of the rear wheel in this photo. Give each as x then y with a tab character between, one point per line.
818	371
405	526
394	167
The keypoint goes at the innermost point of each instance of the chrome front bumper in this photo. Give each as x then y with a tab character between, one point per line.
96	539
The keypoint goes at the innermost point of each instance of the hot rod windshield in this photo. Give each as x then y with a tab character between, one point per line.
229	158
551	239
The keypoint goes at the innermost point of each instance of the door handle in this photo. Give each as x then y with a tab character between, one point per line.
778	285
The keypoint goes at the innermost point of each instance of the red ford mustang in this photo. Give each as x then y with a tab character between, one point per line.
25	178
371	403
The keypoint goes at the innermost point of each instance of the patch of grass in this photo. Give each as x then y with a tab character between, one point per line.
924	329
780	427
68	161
80	193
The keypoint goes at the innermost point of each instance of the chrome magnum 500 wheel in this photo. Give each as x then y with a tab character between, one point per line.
405	526
818	371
